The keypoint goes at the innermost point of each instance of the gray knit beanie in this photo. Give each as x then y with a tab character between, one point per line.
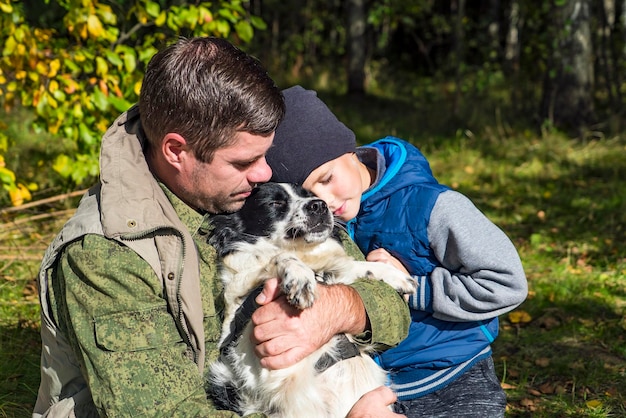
308	136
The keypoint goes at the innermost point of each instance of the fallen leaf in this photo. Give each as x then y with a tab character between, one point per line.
547	388
542	362
519	317
548	322
594	403
506	386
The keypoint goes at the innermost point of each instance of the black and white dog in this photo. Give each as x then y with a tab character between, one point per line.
284	231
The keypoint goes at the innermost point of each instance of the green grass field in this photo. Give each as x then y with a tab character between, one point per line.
562	201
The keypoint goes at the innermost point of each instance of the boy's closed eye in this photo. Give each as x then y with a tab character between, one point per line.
326	179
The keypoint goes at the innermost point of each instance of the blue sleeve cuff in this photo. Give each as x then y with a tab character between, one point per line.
422	299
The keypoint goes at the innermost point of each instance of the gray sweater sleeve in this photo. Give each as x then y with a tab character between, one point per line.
481	275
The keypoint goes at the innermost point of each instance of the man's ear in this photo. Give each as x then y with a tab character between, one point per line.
174	149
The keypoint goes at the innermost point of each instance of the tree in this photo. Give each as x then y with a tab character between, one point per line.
80	70
356	46
567	100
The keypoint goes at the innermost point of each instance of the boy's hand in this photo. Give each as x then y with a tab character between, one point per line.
383	256
375	404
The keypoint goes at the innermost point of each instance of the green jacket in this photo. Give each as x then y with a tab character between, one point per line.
128	326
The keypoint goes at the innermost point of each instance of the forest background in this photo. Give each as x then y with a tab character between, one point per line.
520	106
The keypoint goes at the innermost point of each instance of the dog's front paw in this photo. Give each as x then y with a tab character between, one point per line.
400	281
405	285
297	280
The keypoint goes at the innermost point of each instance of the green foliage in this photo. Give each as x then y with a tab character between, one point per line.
80	75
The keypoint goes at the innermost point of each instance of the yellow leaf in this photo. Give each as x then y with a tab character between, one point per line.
50	101
34	77
55	65
160	20
53	128
6	8
137	88
94	26
41	67
83	31
19	195
9	45
77	111
594	403
519	317
102	68
53	86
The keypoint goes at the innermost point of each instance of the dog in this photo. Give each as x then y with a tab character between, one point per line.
284	231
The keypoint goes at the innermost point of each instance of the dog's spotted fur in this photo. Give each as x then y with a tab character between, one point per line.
283	231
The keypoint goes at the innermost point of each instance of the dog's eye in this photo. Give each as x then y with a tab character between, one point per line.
278	203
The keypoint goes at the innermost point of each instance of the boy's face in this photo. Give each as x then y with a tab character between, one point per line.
340	183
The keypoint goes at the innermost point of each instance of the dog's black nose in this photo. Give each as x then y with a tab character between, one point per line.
316	206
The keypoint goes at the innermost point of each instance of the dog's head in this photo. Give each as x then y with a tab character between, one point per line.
281	212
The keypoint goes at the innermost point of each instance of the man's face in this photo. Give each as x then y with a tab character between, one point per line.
223	184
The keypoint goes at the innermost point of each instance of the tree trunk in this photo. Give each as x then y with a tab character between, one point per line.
356	46
458	9
623	23
567	100
603	50
512	47
494	30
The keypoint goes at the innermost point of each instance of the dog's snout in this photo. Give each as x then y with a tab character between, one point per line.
316	206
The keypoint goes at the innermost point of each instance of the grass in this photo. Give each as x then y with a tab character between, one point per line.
562	353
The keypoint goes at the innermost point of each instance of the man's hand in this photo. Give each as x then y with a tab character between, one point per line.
284	335
374	404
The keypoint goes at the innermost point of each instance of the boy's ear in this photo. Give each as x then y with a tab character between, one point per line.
174	149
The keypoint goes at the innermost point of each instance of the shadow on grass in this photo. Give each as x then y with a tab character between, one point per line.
20	349
580	212
569	360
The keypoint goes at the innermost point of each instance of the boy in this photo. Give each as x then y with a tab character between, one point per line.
468	270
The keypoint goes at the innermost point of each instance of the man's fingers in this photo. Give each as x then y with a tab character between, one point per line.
284	360
271	291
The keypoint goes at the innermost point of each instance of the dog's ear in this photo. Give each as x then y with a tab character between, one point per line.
227	231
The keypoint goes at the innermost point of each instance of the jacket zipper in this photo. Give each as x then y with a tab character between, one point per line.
181	263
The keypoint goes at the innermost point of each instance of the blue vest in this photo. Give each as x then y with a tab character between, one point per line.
394	215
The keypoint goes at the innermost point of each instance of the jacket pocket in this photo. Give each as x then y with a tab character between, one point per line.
136	330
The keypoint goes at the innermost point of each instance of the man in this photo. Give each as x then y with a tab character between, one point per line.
130	301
